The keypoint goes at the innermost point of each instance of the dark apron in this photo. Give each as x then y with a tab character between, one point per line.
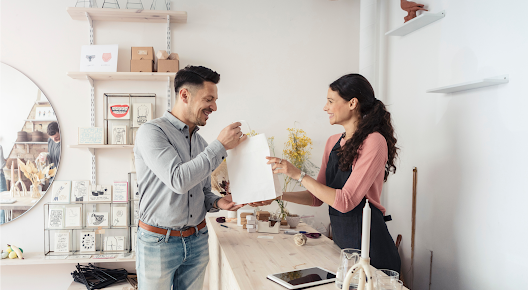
347	227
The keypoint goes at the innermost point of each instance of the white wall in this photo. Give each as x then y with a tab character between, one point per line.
276	60
470	148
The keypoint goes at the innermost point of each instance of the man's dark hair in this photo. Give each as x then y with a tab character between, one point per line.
195	76
53	128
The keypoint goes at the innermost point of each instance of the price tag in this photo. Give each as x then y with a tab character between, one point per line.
100	231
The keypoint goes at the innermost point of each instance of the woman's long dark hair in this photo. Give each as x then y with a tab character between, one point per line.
374	118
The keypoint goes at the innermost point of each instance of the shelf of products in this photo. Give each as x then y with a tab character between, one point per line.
127	15
424	19
125	76
41	259
471	85
91	224
102	146
40	143
36	121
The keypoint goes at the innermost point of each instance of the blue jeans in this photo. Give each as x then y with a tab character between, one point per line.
163	261
3	183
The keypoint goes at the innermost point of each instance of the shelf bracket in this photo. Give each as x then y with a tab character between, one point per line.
168	93
91	28
92	124
168	36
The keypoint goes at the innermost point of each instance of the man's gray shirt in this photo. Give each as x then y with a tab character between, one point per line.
174	175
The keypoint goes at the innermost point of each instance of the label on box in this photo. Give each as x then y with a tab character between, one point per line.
144	52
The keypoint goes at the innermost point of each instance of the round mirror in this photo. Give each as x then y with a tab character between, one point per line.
30	144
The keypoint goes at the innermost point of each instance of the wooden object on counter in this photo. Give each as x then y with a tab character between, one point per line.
263	215
268	227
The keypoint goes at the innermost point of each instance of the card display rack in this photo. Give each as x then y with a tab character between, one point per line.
88	228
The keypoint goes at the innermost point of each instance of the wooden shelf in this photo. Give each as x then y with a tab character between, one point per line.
471	85
416	23
100	146
41	259
33	120
126	76
127	15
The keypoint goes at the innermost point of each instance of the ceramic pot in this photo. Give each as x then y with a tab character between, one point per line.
22	136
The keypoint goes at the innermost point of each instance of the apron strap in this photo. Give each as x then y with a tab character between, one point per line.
387	218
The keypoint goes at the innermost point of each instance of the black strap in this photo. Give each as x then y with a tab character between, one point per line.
387	218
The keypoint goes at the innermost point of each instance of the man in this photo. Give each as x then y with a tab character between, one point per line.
54	144
173	165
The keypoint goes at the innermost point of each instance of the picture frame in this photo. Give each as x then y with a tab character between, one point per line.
80	191
91	136
87	241
119	135
61	191
62	242
103	193
120	191
119	216
135	192
97	219
136	212
56	218
134	233
72	217
99	58
45	113
142	113
114	243
119	111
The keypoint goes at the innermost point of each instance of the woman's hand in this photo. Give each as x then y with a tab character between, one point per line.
285	167
226	203
261	203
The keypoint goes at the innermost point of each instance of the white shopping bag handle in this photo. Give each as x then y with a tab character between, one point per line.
246	123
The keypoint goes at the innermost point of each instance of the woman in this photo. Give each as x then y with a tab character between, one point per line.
354	166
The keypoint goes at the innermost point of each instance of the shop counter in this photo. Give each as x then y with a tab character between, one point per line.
242	260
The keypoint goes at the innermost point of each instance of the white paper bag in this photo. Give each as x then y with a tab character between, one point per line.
251	178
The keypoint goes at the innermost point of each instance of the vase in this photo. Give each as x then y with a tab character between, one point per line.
35	191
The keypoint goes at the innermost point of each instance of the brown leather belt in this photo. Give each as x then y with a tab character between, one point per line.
173	233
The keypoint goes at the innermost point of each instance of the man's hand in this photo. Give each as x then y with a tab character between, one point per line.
230	136
226	203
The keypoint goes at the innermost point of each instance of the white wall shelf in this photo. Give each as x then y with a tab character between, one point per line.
423	20
41	259
40	143
125	76
36	121
127	15
471	85
96	146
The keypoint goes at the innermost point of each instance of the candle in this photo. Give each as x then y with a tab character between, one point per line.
365	237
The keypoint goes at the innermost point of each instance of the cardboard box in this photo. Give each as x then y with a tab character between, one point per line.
168	65
142	53
141	65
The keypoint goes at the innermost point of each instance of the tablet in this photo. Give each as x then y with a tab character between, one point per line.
303	278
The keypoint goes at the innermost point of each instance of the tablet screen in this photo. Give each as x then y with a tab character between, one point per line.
305	276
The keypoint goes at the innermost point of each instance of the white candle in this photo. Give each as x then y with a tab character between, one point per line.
365	237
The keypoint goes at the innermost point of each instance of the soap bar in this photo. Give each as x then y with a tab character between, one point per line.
162	54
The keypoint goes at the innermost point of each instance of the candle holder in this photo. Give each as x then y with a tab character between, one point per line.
365	271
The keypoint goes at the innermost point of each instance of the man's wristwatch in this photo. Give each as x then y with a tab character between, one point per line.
302	174
215	203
